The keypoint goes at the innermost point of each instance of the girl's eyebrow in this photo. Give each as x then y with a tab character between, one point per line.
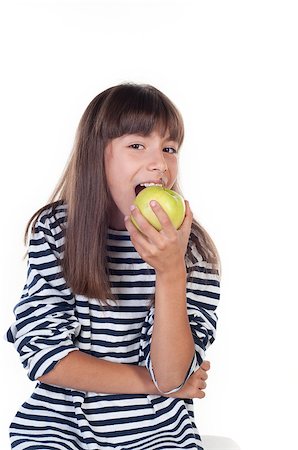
168	138
134	135
147	136
171	141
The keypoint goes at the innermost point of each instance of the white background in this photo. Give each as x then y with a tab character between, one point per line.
231	68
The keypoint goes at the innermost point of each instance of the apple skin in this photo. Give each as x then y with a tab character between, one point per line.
172	202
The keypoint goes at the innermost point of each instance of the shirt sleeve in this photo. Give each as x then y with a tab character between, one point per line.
202	296
46	325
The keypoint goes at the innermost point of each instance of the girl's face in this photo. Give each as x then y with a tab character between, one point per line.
133	159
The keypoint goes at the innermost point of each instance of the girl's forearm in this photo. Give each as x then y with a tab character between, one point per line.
172	346
84	372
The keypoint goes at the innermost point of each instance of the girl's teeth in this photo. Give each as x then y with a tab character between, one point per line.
150	184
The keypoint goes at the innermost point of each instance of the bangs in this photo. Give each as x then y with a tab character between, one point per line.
140	109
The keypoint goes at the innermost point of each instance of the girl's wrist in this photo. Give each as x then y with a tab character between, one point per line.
150	387
175	273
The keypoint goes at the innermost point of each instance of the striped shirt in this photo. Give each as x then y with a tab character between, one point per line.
51	322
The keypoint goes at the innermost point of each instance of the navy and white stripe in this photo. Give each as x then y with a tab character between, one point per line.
51	322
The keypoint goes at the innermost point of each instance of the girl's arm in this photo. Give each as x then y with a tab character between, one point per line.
81	371
168	338
84	372
47	325
172	346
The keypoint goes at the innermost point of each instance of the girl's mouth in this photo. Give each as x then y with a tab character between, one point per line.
138	189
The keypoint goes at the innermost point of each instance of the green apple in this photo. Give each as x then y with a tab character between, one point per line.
172	202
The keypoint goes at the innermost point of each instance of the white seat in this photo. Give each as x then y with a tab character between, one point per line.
219	443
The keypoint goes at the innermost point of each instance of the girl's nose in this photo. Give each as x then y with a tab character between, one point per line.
160	172
158	163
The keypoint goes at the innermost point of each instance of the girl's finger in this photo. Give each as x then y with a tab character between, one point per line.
205	365
146	228
162	216
138	239
202	384
189	211
204	375
200	394
187	221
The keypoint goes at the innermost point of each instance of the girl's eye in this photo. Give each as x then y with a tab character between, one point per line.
172	150
167	149
136	146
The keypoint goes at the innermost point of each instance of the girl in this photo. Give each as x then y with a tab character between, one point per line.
113	322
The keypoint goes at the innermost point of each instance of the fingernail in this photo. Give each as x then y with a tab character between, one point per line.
153	203
132	207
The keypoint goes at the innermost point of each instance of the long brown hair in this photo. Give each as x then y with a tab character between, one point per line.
124	109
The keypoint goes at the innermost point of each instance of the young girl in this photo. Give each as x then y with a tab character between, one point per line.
113	322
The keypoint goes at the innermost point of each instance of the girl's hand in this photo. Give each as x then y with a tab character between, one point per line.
165	249
194	386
